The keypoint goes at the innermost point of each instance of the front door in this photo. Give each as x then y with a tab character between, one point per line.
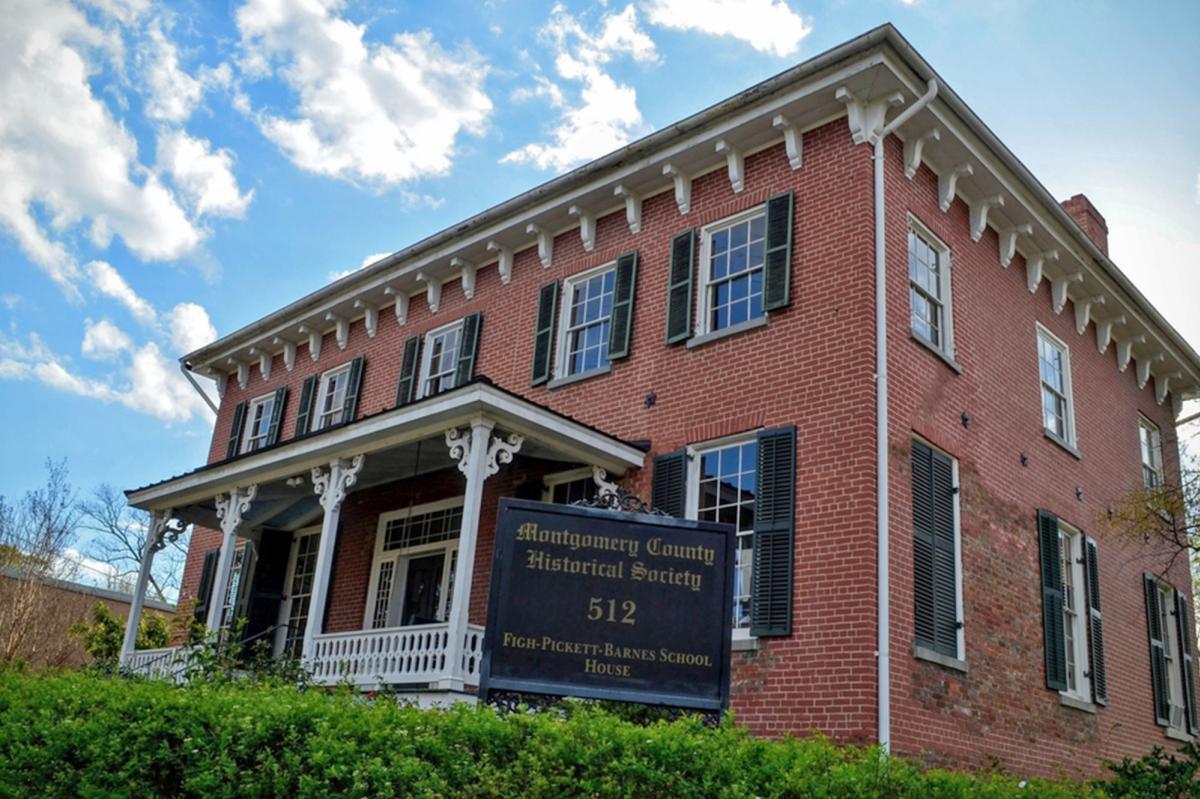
423	589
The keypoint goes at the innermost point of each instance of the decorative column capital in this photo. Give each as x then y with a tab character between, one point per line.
603	484
332	485
231	506
499	452
160	531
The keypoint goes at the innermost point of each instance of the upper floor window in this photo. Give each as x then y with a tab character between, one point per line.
1152	461
586	317
331	397
1054	363
731	272
258	423
439	365
929	288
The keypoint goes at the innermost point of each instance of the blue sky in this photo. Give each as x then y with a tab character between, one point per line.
170	172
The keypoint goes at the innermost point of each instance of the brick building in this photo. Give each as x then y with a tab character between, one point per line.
698	318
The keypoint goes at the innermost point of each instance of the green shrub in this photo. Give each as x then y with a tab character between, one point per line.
102	638
1158	774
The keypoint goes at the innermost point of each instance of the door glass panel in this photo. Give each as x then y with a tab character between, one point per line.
423	589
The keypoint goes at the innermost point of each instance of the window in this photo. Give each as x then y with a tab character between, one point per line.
229	607
1173	685
566	488
732	271
1054	363
1172	664
1151	443
258	423
584	326
929	288
937	561
1074	613
440	363
724	482
331	397
294	611
412	578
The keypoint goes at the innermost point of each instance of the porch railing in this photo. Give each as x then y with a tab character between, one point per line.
416	654
165	663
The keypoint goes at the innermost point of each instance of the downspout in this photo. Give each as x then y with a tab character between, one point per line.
881	423
183	367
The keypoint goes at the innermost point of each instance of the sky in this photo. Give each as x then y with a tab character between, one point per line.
171	172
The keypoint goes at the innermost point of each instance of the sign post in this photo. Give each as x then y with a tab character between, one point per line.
606	604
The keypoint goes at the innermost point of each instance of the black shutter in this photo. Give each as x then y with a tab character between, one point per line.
308	395
235	433
406	389
669	493
204	592
621	322
543	337
1187	671
1158	652
1052	601
679	287
276	415
935	566
1095	624
468	347
777	273
774	523
267	586
353	389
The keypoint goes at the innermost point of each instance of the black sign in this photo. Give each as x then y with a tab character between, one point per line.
609	605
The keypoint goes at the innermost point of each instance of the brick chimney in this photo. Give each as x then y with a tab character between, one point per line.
1089	219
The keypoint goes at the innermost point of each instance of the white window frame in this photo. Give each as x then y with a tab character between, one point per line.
427	355
703	324
1071	438
946	298
234	588
285	607
1171	655
1145	426
1072	545
562	361
558	478
961	642
322	419
401	557
248	437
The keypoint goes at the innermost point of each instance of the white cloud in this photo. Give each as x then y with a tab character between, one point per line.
174	94
10	301
376	112
103	340
606	115
189	327
204	177
370	259
769	26
109	282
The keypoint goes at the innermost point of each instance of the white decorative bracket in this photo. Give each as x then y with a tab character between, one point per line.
1162	384
1008	242
264	362
736	165
501	451
912	150
1104	330
948	183
314	341
243	372
232	506
1125	350
289	351
504	262
332	485
1083	311
459	444
545	243
603	484
433	290
587	227
1034	268
633	207
162	532
683	187
401	306
370	316
467	272
979	214
793	140
341	329
221	378
1143	368
866	118
1058	290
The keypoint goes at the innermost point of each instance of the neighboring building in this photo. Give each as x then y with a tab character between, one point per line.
694	316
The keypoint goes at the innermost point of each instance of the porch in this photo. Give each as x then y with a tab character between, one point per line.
388	588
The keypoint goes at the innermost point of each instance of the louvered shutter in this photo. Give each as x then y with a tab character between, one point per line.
1099	673
277	408
353	389
204	592
669	493
621	322
1187	671
468	348
308	392
543	337
774	523
406	389
935	566
777	272
1052	601
679	287
235	432
1158	652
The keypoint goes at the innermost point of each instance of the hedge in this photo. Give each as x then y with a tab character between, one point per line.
93	736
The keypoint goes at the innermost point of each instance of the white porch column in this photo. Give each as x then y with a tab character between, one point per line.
331	487
230	508
155	540
479	455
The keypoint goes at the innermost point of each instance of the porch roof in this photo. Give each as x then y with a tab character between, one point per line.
547	432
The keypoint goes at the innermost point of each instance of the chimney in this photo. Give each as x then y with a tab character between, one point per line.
1089	220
